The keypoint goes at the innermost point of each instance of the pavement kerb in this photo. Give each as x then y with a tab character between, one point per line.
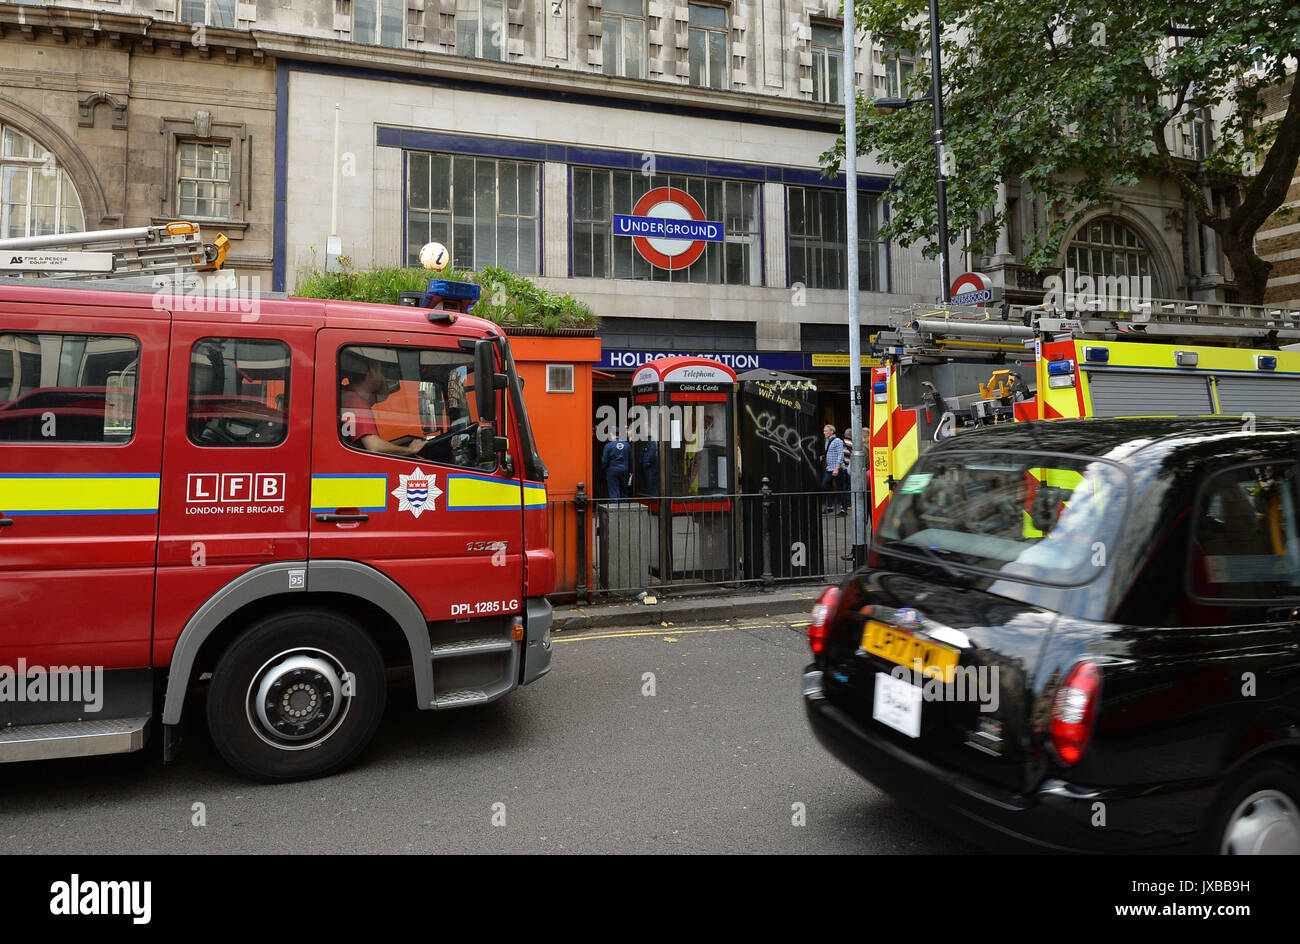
576	617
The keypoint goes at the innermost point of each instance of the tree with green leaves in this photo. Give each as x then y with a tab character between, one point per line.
1079	100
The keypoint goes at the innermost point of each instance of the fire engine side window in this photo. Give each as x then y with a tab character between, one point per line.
415	402
239	392
67	388
1246	545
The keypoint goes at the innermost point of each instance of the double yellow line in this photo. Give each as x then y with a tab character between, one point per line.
581	636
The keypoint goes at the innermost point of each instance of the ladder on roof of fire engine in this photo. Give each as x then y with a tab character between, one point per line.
942	330
113	253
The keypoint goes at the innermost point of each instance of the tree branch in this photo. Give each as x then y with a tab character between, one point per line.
1268	190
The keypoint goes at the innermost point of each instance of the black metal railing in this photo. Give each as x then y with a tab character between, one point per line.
764	538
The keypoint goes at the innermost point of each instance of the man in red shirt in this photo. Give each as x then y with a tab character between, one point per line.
356	415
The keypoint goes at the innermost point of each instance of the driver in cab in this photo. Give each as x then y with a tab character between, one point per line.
364	385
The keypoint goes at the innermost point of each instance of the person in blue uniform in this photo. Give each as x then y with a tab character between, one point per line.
649	461
616	460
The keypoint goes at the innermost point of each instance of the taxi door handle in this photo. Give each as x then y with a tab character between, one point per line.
335	516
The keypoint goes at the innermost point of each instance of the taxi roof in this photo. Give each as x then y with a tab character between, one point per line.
1118	438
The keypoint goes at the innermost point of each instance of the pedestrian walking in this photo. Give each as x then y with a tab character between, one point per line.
616	461
832	474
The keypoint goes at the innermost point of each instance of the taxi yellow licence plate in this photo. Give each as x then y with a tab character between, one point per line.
934	660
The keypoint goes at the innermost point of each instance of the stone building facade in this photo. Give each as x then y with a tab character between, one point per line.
517	133
113	118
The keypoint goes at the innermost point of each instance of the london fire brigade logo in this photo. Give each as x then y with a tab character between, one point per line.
417	492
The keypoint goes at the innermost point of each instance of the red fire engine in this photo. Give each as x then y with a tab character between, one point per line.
270	500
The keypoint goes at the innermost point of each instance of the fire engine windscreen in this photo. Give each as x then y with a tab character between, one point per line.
407	395
1025	516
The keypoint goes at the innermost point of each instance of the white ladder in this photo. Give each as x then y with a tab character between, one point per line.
113	253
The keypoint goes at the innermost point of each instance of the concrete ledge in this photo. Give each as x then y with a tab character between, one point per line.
728	604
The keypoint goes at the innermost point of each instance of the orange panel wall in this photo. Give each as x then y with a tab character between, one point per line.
562	423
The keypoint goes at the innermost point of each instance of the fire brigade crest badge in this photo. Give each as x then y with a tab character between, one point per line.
417	492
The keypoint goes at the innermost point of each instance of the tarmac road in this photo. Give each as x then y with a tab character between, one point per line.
585	760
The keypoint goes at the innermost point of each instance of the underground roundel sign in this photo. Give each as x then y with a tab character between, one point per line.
668	228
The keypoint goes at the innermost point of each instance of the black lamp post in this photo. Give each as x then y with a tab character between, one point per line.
936	97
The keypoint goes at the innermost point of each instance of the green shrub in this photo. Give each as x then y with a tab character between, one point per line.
507	299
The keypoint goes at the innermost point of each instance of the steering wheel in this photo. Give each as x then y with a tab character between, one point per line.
215	431
454	447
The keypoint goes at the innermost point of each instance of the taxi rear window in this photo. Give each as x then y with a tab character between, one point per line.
1027	516
1245	543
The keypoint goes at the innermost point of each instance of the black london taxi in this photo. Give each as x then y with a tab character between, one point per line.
1080	635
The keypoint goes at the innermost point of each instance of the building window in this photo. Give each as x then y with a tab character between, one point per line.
203	179
708	46
598	253
209	12
559	378
899	67
1196	142
622	38
59	388
37	197
818	256
379	22
239	392
1109	248
484	210
827	64
481	29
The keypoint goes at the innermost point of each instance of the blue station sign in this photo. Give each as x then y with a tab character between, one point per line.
663	228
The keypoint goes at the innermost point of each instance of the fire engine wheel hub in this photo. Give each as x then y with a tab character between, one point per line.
296	699
1265	823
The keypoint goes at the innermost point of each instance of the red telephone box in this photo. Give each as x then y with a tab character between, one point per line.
687	424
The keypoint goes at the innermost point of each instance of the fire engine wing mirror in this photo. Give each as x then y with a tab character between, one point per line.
487	381
489	443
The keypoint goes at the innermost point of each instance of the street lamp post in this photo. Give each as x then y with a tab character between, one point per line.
941	190
857	471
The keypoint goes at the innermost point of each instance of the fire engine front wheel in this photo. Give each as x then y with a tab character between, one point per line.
298	695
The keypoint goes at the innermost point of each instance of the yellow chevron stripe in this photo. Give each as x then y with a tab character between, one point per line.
58	494
363	492
473	492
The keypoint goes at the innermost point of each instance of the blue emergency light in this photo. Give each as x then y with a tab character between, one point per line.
879	386
1266	362
444	294
1097	354
1056	368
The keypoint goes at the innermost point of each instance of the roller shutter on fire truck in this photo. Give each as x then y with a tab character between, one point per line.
1125	393
1263	396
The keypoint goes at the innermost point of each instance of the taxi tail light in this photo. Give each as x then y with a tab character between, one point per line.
1074	710
823	612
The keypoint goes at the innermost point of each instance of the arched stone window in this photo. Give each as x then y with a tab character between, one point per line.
1107	247
37	197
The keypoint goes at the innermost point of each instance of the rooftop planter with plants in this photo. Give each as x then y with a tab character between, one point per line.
512	301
